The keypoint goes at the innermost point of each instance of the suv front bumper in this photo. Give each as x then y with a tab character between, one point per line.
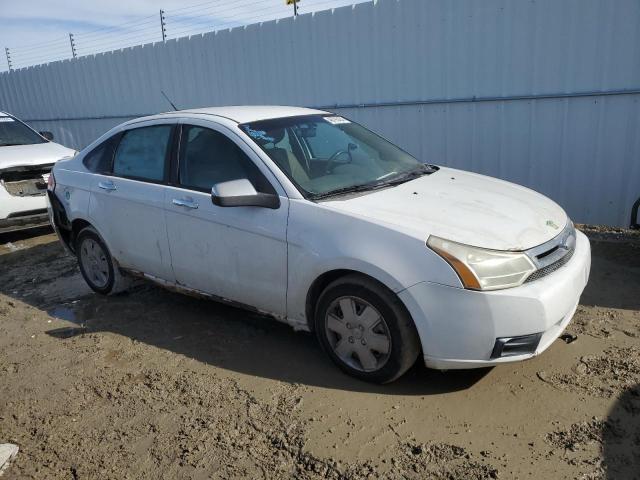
24	221
17	213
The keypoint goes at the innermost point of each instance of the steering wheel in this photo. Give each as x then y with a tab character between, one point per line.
332	159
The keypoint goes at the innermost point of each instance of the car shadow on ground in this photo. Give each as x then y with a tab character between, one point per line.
615	275
621	437
43	276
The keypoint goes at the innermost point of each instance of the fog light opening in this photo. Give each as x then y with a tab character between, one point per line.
512	346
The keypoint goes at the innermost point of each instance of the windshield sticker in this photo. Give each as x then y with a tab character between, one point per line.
336	120
6	119
259	135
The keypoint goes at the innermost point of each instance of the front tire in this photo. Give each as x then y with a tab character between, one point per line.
365	329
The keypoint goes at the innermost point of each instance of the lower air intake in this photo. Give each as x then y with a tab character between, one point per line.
511	346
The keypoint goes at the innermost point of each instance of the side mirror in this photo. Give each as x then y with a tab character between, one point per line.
240	193
47	135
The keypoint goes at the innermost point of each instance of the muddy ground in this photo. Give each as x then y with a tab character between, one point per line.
152	384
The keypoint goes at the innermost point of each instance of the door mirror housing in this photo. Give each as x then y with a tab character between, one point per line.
241	193
47	135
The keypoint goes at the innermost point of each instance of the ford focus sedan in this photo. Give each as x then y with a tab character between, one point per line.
314	220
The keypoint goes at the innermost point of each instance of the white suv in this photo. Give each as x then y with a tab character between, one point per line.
26	158
311	218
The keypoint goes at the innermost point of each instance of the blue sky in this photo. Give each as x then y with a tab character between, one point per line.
37	31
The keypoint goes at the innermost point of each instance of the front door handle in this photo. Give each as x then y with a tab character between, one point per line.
185	202
107	185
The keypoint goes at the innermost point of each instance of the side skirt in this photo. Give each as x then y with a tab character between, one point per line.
179	288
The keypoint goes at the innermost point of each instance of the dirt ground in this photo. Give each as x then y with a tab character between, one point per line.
153	384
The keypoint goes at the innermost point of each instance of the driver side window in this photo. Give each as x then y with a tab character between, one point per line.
208	157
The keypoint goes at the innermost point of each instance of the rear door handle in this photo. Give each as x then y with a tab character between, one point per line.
185	202
107	185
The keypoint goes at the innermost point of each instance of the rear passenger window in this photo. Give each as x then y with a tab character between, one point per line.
100	158
142	153
208	157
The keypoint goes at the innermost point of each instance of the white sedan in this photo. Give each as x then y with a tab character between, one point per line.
312	219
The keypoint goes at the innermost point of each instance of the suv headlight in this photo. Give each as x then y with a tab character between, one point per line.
482	269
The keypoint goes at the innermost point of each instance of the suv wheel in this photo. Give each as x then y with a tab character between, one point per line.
366	330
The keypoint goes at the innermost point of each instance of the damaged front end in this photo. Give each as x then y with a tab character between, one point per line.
22	194
26	181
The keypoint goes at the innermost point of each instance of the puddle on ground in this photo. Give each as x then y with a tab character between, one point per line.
63	312
77	311
66	332
69	312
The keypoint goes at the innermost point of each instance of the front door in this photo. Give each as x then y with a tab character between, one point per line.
236	253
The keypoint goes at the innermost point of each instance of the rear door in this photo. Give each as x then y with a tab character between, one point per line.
237	253
127	204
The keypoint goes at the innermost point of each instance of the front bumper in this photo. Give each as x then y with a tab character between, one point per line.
17	213
21	222
458	328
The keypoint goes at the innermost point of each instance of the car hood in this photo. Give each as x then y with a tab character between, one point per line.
463	207
32	155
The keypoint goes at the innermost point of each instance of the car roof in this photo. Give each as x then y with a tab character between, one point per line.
241	113
7	114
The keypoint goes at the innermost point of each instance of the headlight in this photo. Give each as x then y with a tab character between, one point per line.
481	269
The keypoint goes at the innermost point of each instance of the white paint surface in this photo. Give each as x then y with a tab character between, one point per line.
269	259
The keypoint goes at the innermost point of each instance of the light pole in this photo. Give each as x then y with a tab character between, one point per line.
8	54
295	6
163	25
73	45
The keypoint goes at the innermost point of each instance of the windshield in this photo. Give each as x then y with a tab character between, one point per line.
14	132
328	154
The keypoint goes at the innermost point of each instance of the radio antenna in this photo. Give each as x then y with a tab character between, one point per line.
170	102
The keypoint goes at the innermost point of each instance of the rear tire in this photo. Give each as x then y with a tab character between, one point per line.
366	330
97	265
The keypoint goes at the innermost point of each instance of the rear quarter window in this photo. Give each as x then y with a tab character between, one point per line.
100	159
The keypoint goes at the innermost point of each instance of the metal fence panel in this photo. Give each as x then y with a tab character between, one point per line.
544	93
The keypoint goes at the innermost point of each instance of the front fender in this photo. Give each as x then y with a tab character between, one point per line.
321	240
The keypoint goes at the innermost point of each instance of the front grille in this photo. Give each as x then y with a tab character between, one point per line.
544	271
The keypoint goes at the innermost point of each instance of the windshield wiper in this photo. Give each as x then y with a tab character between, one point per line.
344	190
367	187
411	175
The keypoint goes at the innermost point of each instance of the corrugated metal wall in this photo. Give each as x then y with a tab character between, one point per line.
541	92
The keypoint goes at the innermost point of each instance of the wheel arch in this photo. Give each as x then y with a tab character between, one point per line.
77	225
68	233
323	280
